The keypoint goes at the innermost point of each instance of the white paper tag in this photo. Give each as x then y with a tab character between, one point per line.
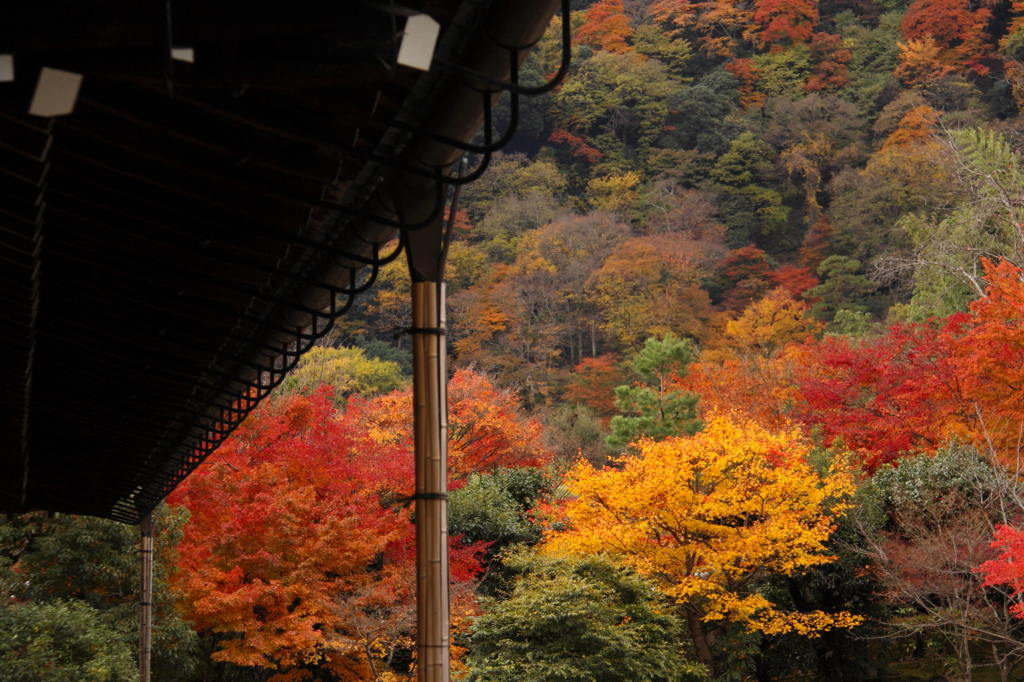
6	68
56	93
418	42
183	54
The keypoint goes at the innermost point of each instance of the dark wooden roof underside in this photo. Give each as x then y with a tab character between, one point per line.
160	245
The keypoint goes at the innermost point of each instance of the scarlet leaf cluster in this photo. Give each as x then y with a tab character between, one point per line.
485	427
909	389
893	395
794	280
1008	567
747	73
990	357
578	144
745	274
593	384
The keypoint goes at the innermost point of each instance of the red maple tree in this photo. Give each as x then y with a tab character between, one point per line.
783	22
830	57
957	29
300	535
593	383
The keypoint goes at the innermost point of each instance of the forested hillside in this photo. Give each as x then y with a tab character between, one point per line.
860	156
735	326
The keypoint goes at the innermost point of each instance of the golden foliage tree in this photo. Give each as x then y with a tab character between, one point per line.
770	323
711	517
649	286
919	62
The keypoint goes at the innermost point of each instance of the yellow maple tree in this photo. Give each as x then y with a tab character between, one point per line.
770	323
920	62
710	517
614	192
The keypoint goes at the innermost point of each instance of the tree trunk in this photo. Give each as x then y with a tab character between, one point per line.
964	647
762	661
700	640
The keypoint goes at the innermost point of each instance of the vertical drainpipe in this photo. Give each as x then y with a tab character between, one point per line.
430	398
426	253
146	597
512	22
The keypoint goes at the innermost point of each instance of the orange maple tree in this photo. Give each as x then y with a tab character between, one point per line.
830	56
486	430
747	73
989	355
758	387
793	279
281	521
918	124
606	27
917	386
815	246
578	145
768	324
745	276
719	24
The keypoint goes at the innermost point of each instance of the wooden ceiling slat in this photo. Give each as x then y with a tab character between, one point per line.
230	136
164	170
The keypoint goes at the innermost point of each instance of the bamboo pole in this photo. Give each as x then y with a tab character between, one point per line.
146	598
430	398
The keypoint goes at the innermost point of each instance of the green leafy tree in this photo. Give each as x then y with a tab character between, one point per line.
783	72
697	114
674	53
946	261
514	197
376	349
70	609
62	641
842	287
577	620
495	508
532	110
873	55
575	430
751	204
619	102
348	370
653	409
